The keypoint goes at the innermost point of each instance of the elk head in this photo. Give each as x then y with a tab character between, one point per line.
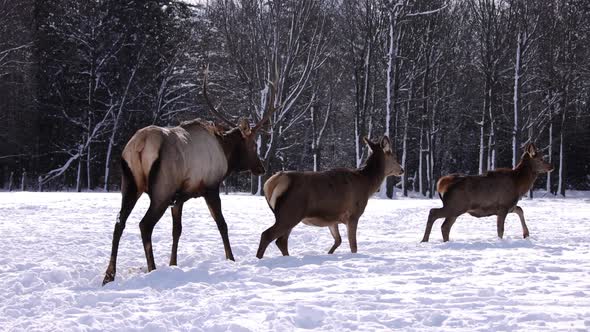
245	152
392	166
535	159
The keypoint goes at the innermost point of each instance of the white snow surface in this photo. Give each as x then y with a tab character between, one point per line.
55	248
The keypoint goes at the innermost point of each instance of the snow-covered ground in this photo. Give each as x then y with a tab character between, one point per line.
55	248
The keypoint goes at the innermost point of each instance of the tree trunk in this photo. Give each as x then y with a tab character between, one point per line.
317	157
561	183
515	128
432	183
420	164
88	164
253	184
492	136
405	141
79	176
10	179
404	154
107	167
550	151
481	141
357	146
385	191
254	179
23	181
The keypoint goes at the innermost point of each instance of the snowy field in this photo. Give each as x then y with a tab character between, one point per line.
55	248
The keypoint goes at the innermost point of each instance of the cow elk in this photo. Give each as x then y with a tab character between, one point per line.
175	164
326	199
493	193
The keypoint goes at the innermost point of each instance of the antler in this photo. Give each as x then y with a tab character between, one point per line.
211	107
271	106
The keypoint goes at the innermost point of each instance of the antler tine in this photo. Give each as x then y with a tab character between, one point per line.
271	106
210	104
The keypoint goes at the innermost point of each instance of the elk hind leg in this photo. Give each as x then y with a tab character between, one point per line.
283	243
129	199
337	238
434	214
146	226
446	227
285	220
176	231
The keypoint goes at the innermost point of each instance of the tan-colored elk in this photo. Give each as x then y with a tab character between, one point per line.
175	164
493	193
326	199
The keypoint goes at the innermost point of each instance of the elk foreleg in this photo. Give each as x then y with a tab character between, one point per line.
500	223
446	227
337	238
214	204
283	243
129	199
520	213
176	230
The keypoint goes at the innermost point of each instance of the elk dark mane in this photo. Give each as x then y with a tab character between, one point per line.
210	126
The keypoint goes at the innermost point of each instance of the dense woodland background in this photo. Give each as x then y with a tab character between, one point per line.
459	86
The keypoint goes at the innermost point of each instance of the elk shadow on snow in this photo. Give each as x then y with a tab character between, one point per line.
300	261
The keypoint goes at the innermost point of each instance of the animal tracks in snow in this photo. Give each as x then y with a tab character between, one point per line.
56	247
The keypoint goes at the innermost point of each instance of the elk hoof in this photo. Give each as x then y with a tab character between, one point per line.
108	278
525	235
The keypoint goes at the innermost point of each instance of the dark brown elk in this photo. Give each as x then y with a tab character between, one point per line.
493	193
326	199
175	164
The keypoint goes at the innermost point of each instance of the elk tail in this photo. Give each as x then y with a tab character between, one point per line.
142	156
444	184
128	185
274	188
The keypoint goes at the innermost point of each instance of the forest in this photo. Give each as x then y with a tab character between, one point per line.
460	86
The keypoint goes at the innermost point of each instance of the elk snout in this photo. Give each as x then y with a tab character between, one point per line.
546	167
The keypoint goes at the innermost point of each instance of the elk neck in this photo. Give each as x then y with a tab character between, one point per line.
524	176
374	170
230	141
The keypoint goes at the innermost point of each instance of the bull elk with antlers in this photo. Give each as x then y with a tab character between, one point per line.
326	199
175	164
494	193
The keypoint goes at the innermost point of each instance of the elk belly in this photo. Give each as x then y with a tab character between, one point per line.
317	221
479	213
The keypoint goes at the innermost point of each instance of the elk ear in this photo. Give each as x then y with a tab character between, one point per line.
531	150
386	144
244	127
370	144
